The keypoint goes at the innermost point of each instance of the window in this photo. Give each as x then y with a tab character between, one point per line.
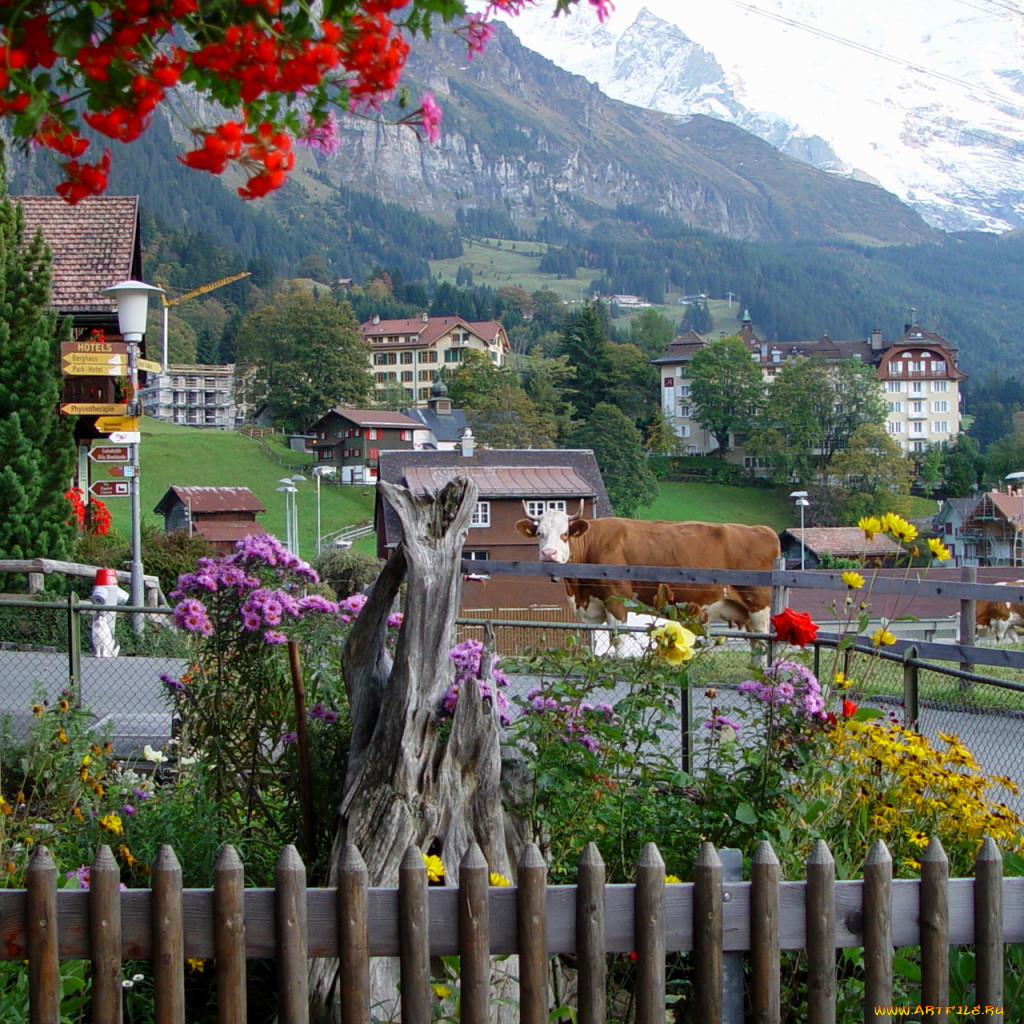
475	555
895	406
896	366
916	408
755	462
406	357
426	375
407	376
428	357
917	387
684	430
940	406
684	390
940	427
916	366
481	514
691	449
940	386
686	410
372	434
373	453
938	366
536	508
917	446
894	387
424	394
917	427
453	355
894	428
406	435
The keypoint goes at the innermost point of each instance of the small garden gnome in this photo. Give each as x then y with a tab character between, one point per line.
105	591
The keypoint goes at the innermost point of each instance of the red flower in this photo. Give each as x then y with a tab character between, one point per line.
849	709
794	627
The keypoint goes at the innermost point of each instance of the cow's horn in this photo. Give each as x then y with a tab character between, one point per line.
579	514
526	512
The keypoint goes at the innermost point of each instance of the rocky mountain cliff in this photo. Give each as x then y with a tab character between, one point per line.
524	137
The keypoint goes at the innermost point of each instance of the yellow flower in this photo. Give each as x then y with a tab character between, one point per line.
435	868
496	879
127	856
76	813
156	756
870	525
112	823
37	710
62	736
939	550
853	580
63	705
674	642
441	991
673	880
882	637
899	527
195	965
86	759
5	807
842	680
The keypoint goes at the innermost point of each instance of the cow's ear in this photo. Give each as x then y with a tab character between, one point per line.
527	527
577	527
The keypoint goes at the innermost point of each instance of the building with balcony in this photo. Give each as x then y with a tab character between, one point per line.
408	353
194	395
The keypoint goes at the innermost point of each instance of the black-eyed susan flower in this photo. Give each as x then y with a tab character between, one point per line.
497	879
853	580
435	868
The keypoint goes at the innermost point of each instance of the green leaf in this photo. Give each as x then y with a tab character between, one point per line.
866	714
746	813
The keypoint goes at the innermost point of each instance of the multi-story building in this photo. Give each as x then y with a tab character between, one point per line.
917	373
351	440
194	395
408	353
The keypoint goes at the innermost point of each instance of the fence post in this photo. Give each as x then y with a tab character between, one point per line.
877	929
105	937
988	924
590	937
649	936
41	940
474	939
353	937
820	915
414	938
229	936
779	600
74	648
968	638
766	971
168	939
290	938
934	913
911	692
708	930
532	933
732	963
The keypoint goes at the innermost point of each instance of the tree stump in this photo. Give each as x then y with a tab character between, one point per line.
404	785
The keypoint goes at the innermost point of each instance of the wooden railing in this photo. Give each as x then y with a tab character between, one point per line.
707	917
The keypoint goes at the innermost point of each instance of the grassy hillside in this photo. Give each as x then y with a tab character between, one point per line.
184	456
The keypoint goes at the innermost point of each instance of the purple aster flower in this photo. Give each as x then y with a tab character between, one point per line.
289	737
128	809
173	684
720	722
275	636
141	794
395	619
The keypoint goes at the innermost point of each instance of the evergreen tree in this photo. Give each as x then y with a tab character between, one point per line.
618	448
36	445
585	342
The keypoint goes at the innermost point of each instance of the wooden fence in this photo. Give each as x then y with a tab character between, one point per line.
707	917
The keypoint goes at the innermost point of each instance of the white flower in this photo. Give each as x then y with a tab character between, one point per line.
156	756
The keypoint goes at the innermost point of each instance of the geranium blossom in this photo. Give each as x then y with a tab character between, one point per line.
794	627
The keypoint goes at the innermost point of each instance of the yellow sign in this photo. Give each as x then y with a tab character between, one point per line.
108	424
149	366
93	370
93	408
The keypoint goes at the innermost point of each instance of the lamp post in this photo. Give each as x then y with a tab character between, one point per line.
318	472
288	491
296	479
1020	478
801	503
132	299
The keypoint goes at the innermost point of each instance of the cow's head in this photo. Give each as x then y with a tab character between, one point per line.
553	530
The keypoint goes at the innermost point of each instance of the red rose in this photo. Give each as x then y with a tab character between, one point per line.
794	627
849	709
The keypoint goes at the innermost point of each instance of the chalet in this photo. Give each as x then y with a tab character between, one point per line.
992	530
351	440
408	353
839	542
222	515
949	527
508	481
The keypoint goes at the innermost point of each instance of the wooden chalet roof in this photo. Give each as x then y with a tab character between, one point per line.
845	541
211	499
95	244
374	418
505	481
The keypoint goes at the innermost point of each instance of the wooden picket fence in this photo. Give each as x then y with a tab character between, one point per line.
707	917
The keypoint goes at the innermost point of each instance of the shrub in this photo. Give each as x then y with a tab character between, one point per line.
347	571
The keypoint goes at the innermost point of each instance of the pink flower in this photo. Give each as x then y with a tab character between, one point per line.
322	136
478	34
431	117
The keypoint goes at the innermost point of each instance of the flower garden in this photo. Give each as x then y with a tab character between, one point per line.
260	755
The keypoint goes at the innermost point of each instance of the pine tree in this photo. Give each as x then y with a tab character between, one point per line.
36	444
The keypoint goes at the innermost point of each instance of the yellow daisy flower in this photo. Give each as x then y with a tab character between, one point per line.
435	868
939	550
882	637
496	879
870	525
853	580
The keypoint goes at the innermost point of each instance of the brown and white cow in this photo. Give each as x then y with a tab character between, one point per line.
692	545
999	617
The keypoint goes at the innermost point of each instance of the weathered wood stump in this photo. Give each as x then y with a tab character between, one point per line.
405	785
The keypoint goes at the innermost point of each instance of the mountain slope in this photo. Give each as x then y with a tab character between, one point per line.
925	99
523	136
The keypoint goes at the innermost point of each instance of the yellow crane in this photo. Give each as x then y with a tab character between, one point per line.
201	290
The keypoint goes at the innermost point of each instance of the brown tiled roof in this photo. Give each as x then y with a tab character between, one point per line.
504	481
95	244
844	541
376	418
426	332
211	499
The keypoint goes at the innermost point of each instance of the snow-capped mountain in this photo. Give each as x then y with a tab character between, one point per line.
927	100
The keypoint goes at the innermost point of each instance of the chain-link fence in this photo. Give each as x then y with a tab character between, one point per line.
47	652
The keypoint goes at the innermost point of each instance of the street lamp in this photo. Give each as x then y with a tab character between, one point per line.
296	479
132	299
288	491
801	502
319	471
1019	477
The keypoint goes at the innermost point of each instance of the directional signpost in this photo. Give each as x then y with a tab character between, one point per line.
94	366
110	424
93	408
150	366
125	436
110	453
125	471
111	488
